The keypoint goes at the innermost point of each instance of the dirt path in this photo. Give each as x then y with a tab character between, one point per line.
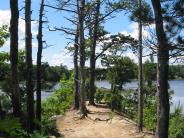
100	123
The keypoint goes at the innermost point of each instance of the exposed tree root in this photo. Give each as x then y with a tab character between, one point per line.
98	119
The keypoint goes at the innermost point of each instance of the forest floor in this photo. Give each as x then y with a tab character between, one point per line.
100	123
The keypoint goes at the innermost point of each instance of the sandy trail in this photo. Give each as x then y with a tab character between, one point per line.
100	123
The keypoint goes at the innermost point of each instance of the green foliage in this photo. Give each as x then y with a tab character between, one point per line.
113	99
149	94
5	102
86	88
60	101
54	74
100	73
99	95
176	72
176	127
49	127
55	105
129	102
11	128
120	70
132	7
126	101
4	56
116	99
150	116
150	107
149	72
145	10
6	127
173	17
38	135
4	34
50	75
107	97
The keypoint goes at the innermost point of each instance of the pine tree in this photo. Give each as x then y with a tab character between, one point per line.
29	68
76	70
82	102
92	54
16	103
162	73
140	85
39	59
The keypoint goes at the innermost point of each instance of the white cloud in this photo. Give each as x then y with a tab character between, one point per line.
134	33
5	16
125	33
132	56
63	57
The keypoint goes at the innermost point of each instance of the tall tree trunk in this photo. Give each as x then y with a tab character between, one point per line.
14	58
140	89
92	55
29	66
39	59
83	109
1	111
163	106
76	71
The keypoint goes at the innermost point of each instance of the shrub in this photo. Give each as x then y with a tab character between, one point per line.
129	102
99	95
113	99
60	101
86	88
38	135
11	128
150	116
55	105
176	127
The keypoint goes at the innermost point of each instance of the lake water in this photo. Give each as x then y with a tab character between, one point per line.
47	93
176	85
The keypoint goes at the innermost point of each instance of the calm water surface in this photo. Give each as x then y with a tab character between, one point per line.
176	85
47	93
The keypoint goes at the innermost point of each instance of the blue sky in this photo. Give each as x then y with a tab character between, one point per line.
56	54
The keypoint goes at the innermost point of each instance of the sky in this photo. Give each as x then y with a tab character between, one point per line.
55	53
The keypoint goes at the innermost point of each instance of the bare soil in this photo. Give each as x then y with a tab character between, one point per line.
100	123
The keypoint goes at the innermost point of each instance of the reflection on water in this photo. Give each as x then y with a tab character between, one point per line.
176	85
47	93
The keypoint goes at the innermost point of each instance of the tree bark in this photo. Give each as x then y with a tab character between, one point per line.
39	59
29	66
140	89
92	55
163	107
76	72
83	109
1	111
14	58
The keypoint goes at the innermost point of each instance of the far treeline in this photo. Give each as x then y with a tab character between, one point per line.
24	114
176	72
